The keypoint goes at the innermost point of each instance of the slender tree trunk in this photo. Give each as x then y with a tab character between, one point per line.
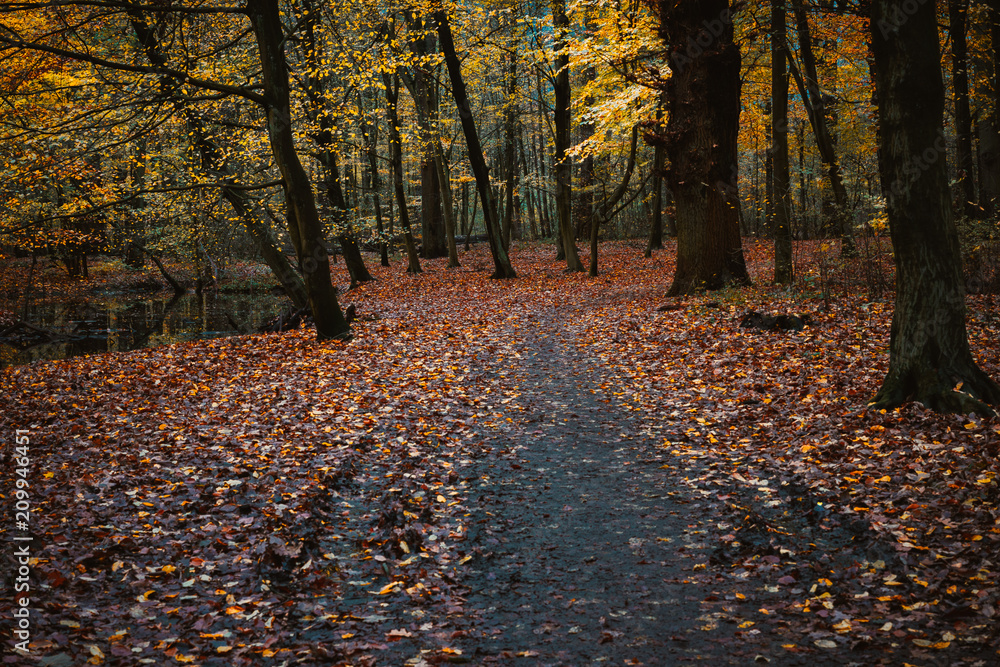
544	208
929	356
370	144
424	91
703	96
213	160
501	261
659	158
342	218
396	152
812	98
529	194
447	202
313	258
315	90
563	166
780	227
605	211
958	14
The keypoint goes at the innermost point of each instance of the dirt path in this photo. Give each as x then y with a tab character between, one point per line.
592	550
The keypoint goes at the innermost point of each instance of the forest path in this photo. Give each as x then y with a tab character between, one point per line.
592	553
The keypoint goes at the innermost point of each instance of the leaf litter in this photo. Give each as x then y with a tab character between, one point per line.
268	497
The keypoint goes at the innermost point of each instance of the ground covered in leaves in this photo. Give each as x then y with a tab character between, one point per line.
552	470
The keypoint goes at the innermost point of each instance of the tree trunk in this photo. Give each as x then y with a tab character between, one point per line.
501	261
780	227
606	210
812	98
448	204
529	195
423	88
929	357
313	258
563	163
659	158
703	96
342	216
958	14
396	157
213	160
369	132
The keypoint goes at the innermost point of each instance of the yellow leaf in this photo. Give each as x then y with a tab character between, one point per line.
843	626
168	568
180	657
746	624
223	649
389	588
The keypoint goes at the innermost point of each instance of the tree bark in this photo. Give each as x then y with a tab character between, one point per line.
929	356
213	160
396	157
501	261
703	103
958	14
780	227
812	98
606	210
655	241
424	92
563	166
312	253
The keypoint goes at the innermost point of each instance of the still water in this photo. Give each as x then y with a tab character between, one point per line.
125	322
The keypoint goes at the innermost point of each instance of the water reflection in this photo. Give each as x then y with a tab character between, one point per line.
118	324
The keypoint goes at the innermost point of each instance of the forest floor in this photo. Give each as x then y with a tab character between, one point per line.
556	470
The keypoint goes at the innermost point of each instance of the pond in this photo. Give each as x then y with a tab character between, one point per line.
117	323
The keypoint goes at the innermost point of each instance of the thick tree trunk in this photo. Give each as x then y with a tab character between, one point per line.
703	95
313	258
562	117
958	14
501	261
780	227
929	357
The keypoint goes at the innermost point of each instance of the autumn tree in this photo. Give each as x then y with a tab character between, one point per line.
562	117
99	40
501	260
703	102
780	224
929	356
